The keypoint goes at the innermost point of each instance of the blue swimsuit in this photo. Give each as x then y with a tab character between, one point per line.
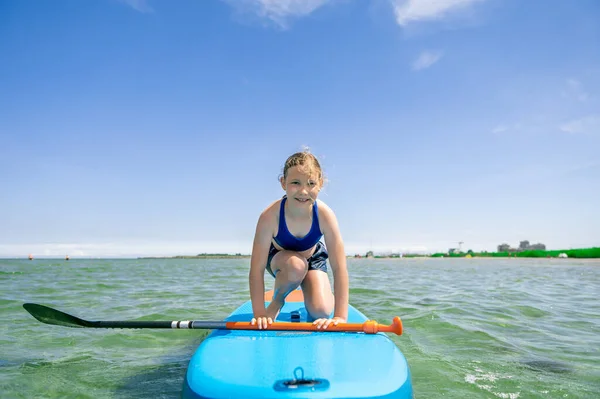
285	239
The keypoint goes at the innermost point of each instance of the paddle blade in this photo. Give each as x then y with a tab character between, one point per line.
52	316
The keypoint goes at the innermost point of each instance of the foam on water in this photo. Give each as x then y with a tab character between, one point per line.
487	381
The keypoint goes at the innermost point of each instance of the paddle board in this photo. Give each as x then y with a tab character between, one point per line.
296	364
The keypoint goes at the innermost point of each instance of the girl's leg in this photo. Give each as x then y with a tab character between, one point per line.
318	298
290	269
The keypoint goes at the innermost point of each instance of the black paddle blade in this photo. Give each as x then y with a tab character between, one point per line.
52	316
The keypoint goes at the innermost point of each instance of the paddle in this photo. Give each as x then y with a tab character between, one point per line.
52	316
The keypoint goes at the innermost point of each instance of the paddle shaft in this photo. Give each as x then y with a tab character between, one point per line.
182	324
236	325
49	315
369	327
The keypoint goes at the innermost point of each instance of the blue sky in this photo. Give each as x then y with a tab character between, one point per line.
154	127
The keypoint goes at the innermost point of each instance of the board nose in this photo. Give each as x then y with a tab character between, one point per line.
299	383
303	385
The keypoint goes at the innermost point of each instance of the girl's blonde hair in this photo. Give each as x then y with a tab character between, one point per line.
307	163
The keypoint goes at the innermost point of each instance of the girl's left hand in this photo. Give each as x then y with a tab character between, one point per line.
324	323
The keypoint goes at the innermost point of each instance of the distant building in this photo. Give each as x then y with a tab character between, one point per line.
503	248
523	246
538	246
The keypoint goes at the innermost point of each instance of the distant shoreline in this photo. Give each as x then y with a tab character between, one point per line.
200	256
577	253
349	257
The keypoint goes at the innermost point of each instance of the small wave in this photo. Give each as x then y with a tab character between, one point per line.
427	302
547	366
487	381
5	273
367	291
530	311
40	364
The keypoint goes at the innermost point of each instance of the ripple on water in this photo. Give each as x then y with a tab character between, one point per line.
547	365
41	364
531	311
367	292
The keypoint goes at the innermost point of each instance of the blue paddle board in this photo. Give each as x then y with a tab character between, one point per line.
296	364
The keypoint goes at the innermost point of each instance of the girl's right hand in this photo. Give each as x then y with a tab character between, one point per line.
262	321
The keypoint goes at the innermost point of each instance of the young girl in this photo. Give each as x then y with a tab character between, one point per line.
287	243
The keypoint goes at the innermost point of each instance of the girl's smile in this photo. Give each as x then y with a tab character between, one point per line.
300	186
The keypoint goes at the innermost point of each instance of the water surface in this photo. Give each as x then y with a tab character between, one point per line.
474	328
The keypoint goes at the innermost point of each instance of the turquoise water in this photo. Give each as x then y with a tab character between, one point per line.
474	328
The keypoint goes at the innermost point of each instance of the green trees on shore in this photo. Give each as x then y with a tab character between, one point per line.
580	253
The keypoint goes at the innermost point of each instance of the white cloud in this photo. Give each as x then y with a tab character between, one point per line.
575	91
121	249
537	172
408	11
278	11
515	127
139	5
588	125
583	166
353	248
426	59
136	248
499	129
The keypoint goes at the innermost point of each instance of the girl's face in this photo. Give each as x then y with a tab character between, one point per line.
300	187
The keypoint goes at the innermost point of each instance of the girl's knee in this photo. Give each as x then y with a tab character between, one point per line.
296	268
319	310
320	314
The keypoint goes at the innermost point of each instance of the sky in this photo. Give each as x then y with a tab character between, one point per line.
159	128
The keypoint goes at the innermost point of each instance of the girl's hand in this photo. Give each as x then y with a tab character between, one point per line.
324	323
265	319
262	321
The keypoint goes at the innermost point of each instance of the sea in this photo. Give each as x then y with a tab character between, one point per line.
473	328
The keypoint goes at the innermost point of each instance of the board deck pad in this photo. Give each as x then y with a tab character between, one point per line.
294	296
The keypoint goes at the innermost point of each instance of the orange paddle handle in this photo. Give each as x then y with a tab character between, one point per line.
368	327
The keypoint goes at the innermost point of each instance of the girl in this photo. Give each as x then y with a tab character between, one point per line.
287	243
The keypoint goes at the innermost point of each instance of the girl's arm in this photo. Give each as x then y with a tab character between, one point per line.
258	264
337	259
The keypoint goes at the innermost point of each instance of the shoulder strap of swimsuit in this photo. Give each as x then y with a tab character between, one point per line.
316	217
282	224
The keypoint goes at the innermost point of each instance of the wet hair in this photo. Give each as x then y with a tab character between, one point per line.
307	163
